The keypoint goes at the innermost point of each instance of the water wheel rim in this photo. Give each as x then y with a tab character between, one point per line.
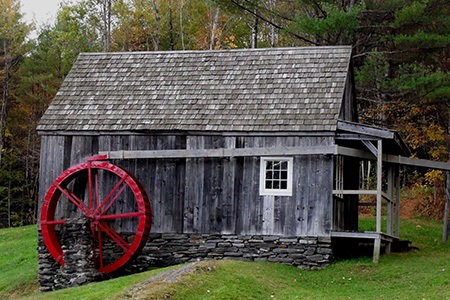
59	188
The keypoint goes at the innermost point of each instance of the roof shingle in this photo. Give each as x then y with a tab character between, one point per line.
281	89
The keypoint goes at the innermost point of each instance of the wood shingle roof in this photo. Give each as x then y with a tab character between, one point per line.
281	89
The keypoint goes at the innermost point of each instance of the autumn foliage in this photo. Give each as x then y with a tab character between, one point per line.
401	61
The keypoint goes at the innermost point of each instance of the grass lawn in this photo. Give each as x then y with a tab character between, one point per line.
423	274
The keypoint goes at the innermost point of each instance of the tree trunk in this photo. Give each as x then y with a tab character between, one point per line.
273	32
181	25
447	186
215	23
107	25
171	38
5	98
155	36
255	28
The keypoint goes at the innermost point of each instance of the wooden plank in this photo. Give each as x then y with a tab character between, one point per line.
52	163
190	133
397	200
251	209
286	224
384	195
325	199
229	199
376	250
364	129
222	152
355	234
354	153
194	188
355	192
302	194
379	184
370	146
390	196
268	215
213	189
396	159
446	230
367	204
363	235
416	162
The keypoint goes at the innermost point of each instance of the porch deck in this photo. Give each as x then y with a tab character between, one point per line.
377	237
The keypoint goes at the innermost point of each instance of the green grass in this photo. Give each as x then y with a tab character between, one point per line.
18	261
423	274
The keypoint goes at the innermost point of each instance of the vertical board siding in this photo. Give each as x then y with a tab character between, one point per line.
53	161
251	208
209	195
193	193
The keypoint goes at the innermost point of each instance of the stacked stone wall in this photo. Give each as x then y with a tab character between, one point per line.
170	249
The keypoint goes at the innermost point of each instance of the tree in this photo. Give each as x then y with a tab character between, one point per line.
12	42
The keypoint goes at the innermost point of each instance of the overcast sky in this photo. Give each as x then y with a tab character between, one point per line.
40	10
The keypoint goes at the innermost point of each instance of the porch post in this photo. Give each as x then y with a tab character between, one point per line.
390	204
377	244
447	208
397	201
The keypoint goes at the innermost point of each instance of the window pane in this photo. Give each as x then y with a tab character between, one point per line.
284	175
276	165
283	185
276	175
268	184
269	165
284	165
276	185
269	175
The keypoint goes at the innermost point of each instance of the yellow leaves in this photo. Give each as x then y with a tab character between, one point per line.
434	177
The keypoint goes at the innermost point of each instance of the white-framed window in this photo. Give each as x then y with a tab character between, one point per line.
276	176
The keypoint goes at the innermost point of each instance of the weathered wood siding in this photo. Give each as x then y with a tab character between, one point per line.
210	195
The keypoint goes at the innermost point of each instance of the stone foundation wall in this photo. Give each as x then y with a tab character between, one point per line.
169	249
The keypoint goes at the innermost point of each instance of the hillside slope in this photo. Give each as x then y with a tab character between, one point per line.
422	274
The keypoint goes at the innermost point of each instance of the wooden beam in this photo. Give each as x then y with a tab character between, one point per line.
446	232
390	204
370	146
363	235
416	162
397	200
354	192
221	152
377	244
340	150
395	159
376	250
366	130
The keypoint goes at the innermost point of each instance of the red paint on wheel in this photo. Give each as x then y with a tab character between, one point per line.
97	210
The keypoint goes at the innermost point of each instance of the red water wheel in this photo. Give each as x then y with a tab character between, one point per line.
113	202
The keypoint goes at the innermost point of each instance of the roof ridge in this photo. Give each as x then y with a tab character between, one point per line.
303	48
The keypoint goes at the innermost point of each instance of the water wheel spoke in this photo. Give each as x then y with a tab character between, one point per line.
121	216
93	187
53	222
94	244
107	201
95	178
115	237
100	248
75	200
91	195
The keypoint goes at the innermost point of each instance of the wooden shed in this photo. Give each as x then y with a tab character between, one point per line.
249	154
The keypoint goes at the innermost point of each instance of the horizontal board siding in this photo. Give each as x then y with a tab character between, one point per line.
209	195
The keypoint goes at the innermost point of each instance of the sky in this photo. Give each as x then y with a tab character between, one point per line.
41	11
